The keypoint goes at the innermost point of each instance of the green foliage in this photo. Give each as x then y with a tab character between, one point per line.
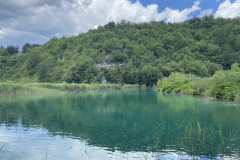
180	83
32	63
223	91
131	74
3	52
35	88
149	75
223	85
82	72
12	49
133	53
25	47
226	84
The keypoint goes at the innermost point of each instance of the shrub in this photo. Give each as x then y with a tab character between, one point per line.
223	91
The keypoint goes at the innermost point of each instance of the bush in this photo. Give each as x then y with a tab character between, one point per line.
223	85
223	91
181	83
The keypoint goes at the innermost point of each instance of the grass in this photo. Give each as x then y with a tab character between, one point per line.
34	88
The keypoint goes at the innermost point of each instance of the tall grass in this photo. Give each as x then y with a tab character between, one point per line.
221	139
21	88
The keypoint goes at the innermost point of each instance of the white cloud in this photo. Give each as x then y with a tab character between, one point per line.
206	12
228	9
1	33
46	18
178	16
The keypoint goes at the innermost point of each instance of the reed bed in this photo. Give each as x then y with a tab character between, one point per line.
201	140
195	139
24	88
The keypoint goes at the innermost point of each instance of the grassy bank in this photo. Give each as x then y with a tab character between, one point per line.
35	88
224	85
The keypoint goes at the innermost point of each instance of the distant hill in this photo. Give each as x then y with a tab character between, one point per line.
128	53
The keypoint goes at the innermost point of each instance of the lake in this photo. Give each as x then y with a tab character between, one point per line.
117	124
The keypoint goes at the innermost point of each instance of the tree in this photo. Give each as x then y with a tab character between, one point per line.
149	75
32	63
145	52
131	74
110	25
3	51
12	49
25	47
83	71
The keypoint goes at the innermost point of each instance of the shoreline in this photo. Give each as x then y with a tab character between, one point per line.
201	96
10	88
53	88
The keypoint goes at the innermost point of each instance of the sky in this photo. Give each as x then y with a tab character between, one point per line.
36	21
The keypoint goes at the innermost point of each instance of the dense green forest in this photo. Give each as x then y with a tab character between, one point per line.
128	53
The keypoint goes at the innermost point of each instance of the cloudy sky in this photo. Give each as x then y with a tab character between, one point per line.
36	21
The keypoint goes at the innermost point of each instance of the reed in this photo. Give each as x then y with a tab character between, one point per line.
189	137
2	147
29	88
201	132
231	141
196	139
211	138
179	140
220	133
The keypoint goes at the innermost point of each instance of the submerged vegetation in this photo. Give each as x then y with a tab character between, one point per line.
223	84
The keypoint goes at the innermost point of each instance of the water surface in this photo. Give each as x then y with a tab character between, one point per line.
117	124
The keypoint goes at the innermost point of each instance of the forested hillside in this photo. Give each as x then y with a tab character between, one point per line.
128	53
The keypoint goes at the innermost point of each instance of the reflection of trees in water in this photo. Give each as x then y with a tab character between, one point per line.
126	122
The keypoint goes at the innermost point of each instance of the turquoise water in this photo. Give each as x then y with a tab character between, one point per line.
118	124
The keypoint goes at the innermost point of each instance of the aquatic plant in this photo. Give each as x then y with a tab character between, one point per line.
2	147
221	138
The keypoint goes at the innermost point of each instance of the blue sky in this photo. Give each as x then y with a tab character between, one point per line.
37	21
182	4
